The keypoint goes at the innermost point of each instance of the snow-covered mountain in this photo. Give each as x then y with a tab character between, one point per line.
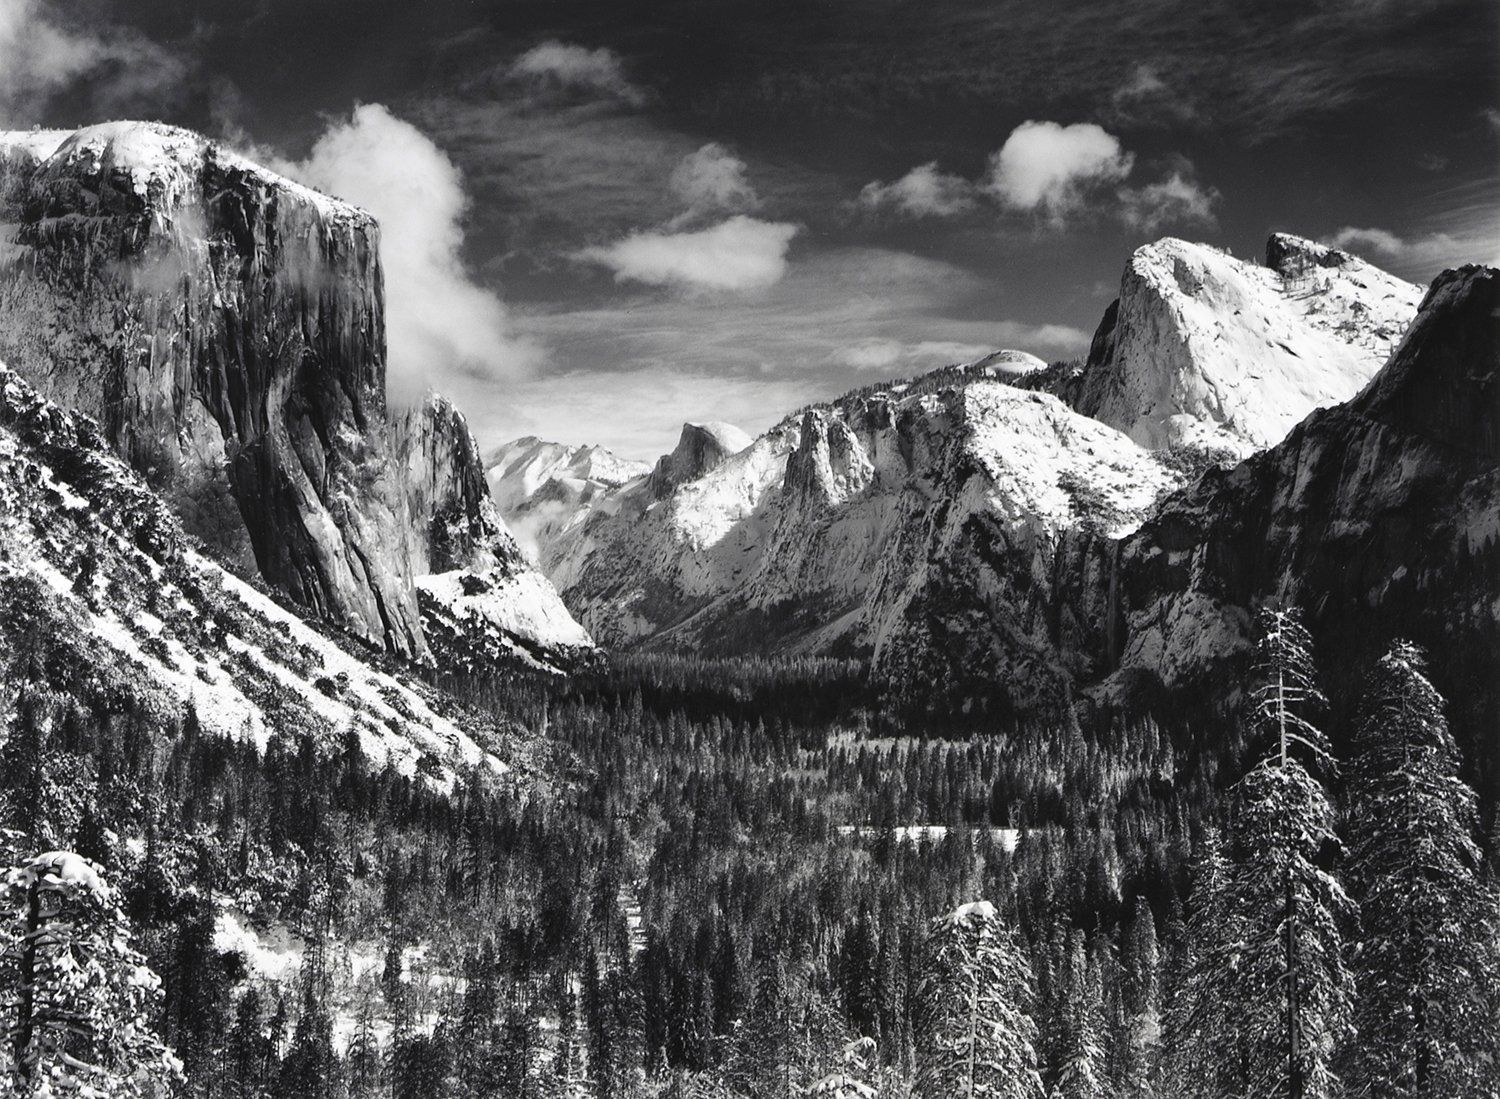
226	328
964	527
1204	349
95	562
1380	517
910	524
542	488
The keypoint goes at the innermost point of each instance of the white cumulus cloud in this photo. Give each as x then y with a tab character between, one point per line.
712	178
1046	167
922	192
557	65
439	321
739	253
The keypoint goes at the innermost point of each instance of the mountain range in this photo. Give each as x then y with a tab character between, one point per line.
1001	537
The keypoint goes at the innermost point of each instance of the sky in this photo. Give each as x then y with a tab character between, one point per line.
603	218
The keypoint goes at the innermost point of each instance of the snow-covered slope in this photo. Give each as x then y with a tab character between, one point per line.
543	488
1205	349
226	328
919	525
94	562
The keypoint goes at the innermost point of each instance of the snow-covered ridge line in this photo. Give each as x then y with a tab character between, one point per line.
162	162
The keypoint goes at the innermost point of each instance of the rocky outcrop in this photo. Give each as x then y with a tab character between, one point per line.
1205	350
700	448
1379	517
104	596
482	602
226	328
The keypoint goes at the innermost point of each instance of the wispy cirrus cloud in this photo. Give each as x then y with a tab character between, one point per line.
47	50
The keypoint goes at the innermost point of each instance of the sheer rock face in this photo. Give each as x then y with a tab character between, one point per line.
1206	350
226	328
1379	517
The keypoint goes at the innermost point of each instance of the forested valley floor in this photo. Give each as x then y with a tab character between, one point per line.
741	879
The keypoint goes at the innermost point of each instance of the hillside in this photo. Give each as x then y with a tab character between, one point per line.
94	563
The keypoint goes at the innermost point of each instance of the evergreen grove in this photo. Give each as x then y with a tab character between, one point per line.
687	889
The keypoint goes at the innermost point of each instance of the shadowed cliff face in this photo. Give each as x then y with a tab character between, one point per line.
1379	517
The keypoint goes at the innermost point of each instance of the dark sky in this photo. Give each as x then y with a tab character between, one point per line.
702	209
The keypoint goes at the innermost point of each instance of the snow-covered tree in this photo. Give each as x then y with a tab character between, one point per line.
1142	995
75	997
1201	1058
851	1079
1288	975
975	1035
1083	1068
1427	970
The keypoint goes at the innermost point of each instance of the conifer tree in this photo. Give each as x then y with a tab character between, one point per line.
1427	970
975	1036
1083	1068
1290	982
1142	996
75	997
1204	1054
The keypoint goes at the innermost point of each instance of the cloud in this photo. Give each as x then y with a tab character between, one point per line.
1050	169
1046	167
1178	199
740	253
922	192
561	66
439	321
618	371
1424	254
45	52
1145	98
713	179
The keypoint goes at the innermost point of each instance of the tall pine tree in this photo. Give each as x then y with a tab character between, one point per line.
1427	969
1291	984
975	1036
